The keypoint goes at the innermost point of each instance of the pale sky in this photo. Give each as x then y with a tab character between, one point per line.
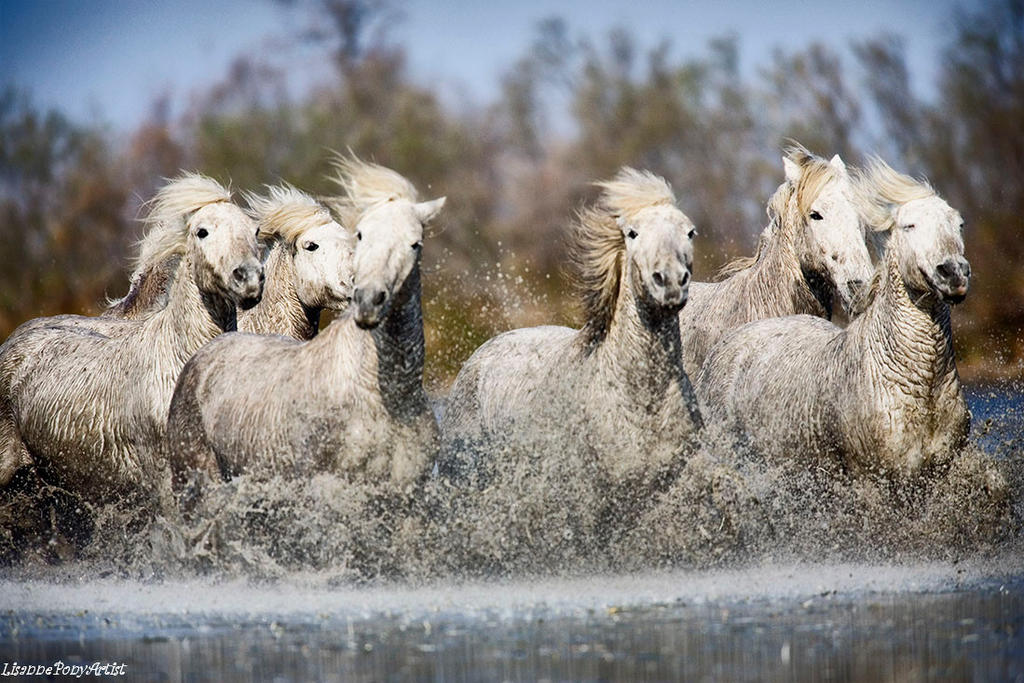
107	60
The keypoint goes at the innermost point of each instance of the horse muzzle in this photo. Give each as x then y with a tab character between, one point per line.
951	279
246	285
671	290
370	305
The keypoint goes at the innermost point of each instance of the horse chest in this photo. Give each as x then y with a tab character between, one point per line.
636	430
912	425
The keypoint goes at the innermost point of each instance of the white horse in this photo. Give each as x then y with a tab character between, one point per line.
308	268
614	389
87	405
350	400
812	249
881	395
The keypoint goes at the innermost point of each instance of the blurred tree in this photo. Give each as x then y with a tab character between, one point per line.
899	114
61	209
808	99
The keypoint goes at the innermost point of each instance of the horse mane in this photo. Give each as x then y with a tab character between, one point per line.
880	189
790	202
285	212
165	222
365	185
741	263
596	244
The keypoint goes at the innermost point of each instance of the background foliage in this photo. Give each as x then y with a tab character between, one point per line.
572	110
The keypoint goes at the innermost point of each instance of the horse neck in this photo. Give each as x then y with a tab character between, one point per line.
642	351
908	342
776	284
280	311
400	347
191	317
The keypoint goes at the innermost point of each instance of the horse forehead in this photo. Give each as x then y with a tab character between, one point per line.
223	213
928	209
837	190
329	230
395	217
663	216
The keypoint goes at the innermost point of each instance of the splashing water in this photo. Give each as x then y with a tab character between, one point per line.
535	518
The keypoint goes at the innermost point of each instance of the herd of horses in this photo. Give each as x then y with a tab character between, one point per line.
213	364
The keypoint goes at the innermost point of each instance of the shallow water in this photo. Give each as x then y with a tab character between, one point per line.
325	582
824	622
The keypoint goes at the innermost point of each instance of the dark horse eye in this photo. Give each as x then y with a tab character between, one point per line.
312	246
815	216
201	233
632	234
691	234
359	235
418	246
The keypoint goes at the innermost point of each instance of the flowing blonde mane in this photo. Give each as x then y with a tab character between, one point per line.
596	244
790	203
880	188
365	185
165	223
286	213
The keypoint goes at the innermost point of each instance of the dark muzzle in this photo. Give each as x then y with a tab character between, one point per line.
952	278
369	304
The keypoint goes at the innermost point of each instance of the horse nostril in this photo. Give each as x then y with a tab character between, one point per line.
378	299
946	269
659	279
238	274
685	278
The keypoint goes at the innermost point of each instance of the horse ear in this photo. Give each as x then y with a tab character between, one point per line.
838	163
792	169
425	211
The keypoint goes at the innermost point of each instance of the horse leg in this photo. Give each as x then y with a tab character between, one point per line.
13	453
185	446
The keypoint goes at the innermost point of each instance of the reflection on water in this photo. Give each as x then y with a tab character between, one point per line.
525	633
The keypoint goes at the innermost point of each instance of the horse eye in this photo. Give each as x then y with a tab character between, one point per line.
312	246
691	234
201	233
909	226
359	235
815	216
418	246
631	235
